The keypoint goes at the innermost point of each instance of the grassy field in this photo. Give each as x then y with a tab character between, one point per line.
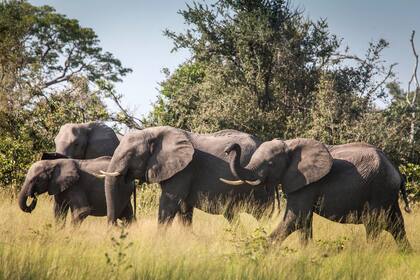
32	247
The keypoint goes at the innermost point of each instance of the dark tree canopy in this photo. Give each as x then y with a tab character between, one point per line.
264	68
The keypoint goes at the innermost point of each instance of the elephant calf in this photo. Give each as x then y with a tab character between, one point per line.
75	185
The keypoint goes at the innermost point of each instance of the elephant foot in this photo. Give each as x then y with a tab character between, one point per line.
405	247
80	214
275	239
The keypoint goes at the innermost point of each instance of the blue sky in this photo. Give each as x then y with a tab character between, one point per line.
132	31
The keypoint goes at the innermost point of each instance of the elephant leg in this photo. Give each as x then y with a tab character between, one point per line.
61	208
186	214
230	214
373	224
174	195
372	232
127	215
79	205
298	216
306	233
168	208
395	226
79	218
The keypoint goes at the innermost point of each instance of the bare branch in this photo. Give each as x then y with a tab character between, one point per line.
133	121
345	56
414	77
63	76
384	80
412	101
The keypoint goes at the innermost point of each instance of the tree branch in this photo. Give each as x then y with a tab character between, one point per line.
384	80
414	76
412	101
133	121
63	76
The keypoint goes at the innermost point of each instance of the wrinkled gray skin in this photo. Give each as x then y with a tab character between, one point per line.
188	167
351	183
86	140
75	185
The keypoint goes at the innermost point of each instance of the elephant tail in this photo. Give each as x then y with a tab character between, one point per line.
278	197
404	193
134	201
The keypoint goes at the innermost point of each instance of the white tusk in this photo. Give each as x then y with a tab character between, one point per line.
233	183
112	174
97	175
254	183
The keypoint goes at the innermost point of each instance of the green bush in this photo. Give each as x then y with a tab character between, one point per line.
412	173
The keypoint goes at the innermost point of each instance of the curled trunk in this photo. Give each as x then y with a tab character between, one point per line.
23	198
237	170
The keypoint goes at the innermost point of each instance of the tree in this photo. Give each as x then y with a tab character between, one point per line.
52	71
262	65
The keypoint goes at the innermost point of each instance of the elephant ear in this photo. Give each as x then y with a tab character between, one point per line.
64	174
310	160
171	152
102	140
52	155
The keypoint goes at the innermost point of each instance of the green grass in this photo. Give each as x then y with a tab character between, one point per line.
32	247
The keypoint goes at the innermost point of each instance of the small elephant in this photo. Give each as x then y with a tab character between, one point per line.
86	140
75	184
187	166
350	183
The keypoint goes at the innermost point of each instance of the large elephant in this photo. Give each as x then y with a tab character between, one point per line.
75	184
188	167
86	140
351	183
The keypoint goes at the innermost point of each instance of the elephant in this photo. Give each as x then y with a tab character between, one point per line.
187	165
86	140
349	183
75	184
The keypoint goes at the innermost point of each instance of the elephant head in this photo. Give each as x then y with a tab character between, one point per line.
292	163
54	176
86	140
152	154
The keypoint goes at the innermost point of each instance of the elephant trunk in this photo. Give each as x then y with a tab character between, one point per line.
245	174
235	164
114	181
23	198
110	197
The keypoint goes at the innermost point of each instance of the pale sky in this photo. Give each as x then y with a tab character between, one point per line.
132	31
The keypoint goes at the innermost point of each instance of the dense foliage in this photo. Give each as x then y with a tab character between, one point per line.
264	68
52	71
256	66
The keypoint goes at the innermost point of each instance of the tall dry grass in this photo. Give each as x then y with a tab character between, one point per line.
33	247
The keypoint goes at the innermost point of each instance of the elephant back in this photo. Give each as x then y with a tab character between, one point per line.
215	143
371	163
102	141
365	158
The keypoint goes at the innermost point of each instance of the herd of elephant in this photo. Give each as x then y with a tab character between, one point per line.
92	172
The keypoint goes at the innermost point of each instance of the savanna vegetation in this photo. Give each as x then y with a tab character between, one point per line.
33	247
257	66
